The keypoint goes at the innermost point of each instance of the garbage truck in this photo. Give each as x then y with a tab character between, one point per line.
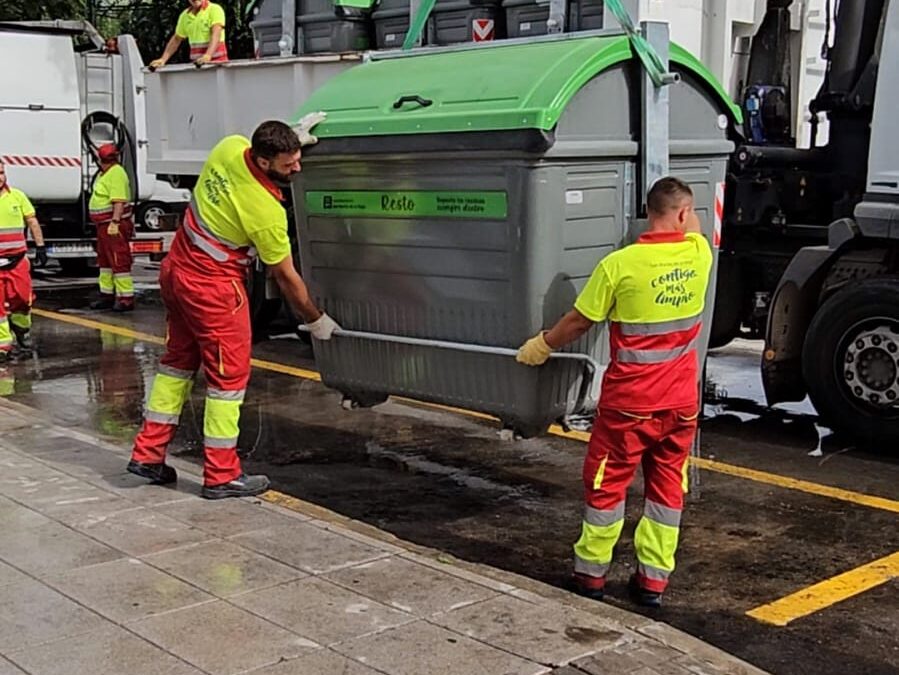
75	94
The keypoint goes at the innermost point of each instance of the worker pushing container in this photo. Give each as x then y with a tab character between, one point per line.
465	195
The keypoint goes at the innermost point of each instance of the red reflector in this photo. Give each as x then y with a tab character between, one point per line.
153	246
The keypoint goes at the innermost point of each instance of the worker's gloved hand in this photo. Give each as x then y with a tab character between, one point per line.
305	126
113	229
40	256
156	63
322	327
534	352
203	60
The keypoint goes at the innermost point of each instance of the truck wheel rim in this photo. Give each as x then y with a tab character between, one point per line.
871	363
151	218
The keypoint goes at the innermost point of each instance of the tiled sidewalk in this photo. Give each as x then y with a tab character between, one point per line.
102	574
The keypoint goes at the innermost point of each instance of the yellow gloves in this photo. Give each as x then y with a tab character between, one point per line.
157	63
534	352
203	60
113	229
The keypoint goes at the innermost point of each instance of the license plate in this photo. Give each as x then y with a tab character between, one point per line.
70	248
145	246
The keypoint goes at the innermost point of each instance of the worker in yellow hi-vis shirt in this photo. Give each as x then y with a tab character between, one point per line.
235	216
110	211
203	26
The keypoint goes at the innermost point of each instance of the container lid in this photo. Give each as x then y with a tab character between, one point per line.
500	88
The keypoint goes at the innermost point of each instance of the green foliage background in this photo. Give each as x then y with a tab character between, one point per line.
150	21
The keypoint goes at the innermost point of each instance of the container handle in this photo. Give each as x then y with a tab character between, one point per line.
423	102
592	369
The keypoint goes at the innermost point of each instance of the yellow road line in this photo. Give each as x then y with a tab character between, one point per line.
829	592
155	339
765	477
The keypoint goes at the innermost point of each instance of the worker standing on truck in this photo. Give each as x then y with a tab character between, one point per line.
653	295
16	296
110	211
235	214
203	26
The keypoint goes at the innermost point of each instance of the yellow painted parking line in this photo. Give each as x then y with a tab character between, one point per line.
829	592
155	339
765	477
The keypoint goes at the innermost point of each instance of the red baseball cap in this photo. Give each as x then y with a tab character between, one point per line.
107	151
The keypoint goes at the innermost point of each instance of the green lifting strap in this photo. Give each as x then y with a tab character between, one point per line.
418	24
658	71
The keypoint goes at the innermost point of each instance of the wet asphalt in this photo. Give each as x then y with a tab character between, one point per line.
448	481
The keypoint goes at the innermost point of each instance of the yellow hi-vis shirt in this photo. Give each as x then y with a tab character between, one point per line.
14	209
653	294
110	187
197	29
239	204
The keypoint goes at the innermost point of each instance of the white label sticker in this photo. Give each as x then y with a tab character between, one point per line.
524	27
390	37
574	197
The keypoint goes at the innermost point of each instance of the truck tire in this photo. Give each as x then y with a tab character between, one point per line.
146	217
728	314
850	362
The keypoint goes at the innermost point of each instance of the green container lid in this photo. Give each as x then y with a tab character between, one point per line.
501	88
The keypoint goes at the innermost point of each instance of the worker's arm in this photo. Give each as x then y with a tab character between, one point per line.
569	328
173	44
35	228
292	286
215	39
118	208
40	249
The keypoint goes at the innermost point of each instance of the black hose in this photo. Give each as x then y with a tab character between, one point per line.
122	140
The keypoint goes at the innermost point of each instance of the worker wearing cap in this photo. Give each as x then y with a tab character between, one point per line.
234	216
16	296
110	211
653	295
202	24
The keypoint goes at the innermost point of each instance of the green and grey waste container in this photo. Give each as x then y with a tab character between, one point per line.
391	20
321	26
526	18
465	196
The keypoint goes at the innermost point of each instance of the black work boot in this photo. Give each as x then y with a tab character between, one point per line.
105	302
23	340
123	305
159	474
242	486
589	587
642	596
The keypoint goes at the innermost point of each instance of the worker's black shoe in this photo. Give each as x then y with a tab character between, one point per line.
103	303
159	474
589	587
23	339
121	306
642	596
4	355
242	486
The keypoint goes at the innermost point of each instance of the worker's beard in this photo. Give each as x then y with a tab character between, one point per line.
279	178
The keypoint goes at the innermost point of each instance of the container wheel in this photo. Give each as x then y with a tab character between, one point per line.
850	362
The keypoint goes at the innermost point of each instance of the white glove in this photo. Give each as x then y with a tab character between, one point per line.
305	126
322	327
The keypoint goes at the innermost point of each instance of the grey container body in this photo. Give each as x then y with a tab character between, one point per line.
391	20
319	29
452	21
525	18
493	282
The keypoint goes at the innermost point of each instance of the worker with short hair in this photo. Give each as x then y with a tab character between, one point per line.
202	24
16	296
110	210
235	214
653	295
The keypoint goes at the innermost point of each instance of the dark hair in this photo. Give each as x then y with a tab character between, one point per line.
272	138
667	194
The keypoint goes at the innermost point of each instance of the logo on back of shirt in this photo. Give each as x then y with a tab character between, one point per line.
672	287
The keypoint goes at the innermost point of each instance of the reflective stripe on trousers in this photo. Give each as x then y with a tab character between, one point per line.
170	391
106	281
222	418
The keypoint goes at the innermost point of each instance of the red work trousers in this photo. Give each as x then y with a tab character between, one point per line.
208	321
661	441
114	258
15	299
